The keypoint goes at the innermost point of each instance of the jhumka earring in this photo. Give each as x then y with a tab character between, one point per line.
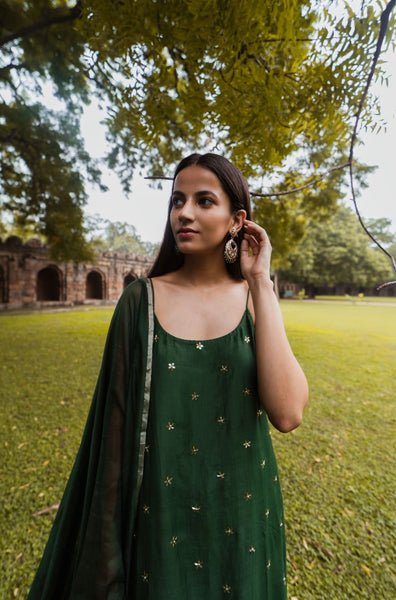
231	247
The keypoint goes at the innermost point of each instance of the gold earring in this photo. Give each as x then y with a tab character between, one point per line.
231	247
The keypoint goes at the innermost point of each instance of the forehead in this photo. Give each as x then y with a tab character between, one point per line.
195	178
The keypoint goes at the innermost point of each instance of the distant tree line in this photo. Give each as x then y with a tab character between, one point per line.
337	251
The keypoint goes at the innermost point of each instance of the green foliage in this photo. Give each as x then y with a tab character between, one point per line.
258	80
43	165
338	251
274	85
286	218
335	469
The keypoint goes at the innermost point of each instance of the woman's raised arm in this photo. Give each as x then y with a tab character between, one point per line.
282	385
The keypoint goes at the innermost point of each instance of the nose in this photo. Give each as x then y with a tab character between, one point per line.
186	212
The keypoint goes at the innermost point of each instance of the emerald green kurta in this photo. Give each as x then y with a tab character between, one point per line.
210	518
203	519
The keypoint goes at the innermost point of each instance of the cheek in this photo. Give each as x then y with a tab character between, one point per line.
172	220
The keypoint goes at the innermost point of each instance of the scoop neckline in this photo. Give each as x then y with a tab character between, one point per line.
202	340
195	341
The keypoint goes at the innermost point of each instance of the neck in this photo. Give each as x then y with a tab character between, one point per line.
204	270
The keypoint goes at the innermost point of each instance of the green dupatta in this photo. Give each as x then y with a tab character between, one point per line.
89	552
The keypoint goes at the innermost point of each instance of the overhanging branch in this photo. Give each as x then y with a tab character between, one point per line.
383	28
54	17
301	187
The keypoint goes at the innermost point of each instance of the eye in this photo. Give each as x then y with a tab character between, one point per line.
206	201
177	202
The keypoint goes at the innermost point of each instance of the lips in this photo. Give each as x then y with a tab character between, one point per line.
186	233
186	230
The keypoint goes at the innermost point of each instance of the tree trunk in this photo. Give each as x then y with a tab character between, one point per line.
276	286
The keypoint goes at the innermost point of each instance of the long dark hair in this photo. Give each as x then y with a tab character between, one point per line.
235	186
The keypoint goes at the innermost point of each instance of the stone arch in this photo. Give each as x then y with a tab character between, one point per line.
95	286
49	284
128	278
2	285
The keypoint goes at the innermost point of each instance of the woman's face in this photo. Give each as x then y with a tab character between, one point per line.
201	213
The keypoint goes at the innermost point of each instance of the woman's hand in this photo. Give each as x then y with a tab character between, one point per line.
255	253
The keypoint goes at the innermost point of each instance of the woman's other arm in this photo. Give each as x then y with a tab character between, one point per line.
282	385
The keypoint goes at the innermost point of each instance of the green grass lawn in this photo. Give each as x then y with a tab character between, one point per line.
361	298
337	469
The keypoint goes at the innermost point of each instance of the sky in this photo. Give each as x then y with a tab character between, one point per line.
145	208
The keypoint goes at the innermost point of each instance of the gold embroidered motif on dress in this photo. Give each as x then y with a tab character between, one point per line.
171	366
168	481
229	531
170	426
199	345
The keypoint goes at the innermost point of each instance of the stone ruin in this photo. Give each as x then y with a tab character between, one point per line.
29	278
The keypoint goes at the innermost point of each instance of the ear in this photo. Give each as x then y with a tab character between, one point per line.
238	219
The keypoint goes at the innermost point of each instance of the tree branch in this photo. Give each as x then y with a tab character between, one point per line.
301	187
384	26
54	17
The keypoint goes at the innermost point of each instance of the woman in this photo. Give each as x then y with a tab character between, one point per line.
175	491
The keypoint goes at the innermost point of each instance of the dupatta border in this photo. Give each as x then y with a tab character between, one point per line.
147	383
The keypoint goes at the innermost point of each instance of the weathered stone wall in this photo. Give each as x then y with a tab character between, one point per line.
29	278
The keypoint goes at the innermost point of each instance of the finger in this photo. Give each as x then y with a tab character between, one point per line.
252	239
244	245
254	229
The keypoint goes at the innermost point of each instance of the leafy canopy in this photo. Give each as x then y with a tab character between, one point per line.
273	85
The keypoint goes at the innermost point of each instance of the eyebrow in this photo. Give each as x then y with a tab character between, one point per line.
200	193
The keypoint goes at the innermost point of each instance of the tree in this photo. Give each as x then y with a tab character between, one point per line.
272	85
337	251
43	165
117	236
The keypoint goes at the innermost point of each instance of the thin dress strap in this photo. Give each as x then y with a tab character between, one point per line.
247	299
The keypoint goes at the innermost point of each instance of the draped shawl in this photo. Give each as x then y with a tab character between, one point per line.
89	552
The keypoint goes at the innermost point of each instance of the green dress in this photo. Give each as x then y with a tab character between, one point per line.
209	521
